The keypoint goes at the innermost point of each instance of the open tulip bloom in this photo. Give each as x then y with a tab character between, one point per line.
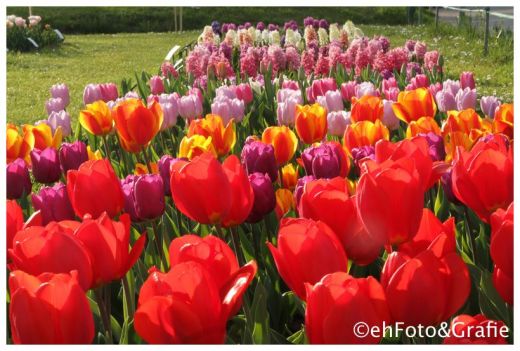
319	187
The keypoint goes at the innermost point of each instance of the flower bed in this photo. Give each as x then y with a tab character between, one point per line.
314	186
29	34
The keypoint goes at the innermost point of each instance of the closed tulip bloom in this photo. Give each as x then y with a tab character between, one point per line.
41	137
91	94
504	120
60	311
320	87
135	123
446	100
296	263
156	85
18	181
54	105
466	98
331	101
348	90
230	200
414	104
223	137
389	118
108	92
107	244
97	118
284	142
328	200
311	123
338	303
61	91
465	329
144	196
409	281
53	203
327	160
94	188
364	133
501	249
186	305
475	175
228	109
259	157
489	104
170	113
165	163
72	155
467	80
289	176
244	93
265	200
284	202
366	108
286	111
337	122
45	165
190	106
51	248
196	145
422	126
60	119
17	146
378	186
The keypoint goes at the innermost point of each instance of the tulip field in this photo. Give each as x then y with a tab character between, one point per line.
280	184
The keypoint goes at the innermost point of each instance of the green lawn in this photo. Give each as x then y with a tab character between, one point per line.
108	58
82	59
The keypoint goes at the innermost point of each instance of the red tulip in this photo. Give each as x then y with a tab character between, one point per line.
328	200
49	309
338	302
436	280
186	305
14	221
501	250
210	193
94	188
482	178
307	250
107	242
380	188
52	248
465	329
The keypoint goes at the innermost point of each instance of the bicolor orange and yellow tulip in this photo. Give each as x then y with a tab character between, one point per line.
283	140
414	104
222	138
364	133
367	108
97	118
311	123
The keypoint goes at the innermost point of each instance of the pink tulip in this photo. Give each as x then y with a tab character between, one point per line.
244	93
348	90
108	92
467	80
54	105
92	93
366	88
331	101
489	105
337	122
389	119
156	85
190	107
228	108
61	91
466	98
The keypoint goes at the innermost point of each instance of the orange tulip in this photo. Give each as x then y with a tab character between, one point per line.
17	146
422	125
503	121
283	140
311	123
289	176
141	169
137	124
367	108
414	104
41	137
223	139
97	118
93	155
284	202
364	133
196	145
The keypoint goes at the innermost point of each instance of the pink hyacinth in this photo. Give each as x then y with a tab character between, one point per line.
420	50
308	61
431	59
277	58
322	66
292	58
167	69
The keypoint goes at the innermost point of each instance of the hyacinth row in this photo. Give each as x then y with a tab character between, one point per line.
270	190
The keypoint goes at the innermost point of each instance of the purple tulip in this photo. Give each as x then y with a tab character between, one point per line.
165	164
489	105
337	122
190	107
445	100
54	105
265	199
18	181
324	160
361	153
108	92
259	157
144	196
436	146
61	91
466	98
452	85
60	119
92	93
72	155
467	80
45	165
300	184
331	101
53	203
447	187
156	85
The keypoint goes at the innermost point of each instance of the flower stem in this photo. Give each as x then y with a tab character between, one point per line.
147	160
130	304
104	313
107	148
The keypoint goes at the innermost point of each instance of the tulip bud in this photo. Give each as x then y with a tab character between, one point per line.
467	80
60	119
264	198
61	91
53	203
259	157
108	92
18	181
436	146
244	93
45	165
54	105
361	153
156	85
445	100
489	104
92	93
144	196
337	122
466	98
331	101
72	155
348	90
328	160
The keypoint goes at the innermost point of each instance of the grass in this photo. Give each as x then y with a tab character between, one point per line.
82	59
104	58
